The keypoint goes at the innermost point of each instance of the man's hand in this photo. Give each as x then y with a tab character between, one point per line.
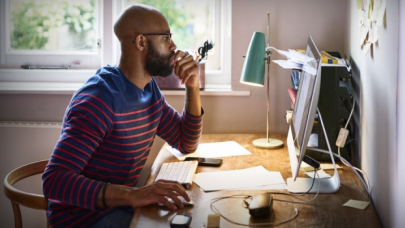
157	193
187	70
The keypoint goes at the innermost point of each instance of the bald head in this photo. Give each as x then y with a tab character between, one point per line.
137	19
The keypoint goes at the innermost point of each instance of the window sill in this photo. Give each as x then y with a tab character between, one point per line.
66	82
61	88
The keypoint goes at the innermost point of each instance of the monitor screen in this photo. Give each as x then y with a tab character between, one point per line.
305	107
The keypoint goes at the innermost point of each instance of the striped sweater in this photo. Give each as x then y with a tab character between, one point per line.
107	133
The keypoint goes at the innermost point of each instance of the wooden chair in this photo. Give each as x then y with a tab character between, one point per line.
18	197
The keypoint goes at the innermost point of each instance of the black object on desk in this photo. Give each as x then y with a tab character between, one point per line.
205	161
180	221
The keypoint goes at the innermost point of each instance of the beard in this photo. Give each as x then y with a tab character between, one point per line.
157	64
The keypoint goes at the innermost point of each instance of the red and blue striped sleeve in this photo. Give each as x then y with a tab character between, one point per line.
182	132
88	120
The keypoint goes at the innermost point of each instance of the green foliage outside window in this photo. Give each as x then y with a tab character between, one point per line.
178	20
32	21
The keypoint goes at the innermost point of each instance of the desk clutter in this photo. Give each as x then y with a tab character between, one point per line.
229	207
335	103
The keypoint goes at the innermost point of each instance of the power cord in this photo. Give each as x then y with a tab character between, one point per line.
246	205
365	180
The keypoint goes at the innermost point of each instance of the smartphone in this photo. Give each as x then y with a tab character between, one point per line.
180	221
205	161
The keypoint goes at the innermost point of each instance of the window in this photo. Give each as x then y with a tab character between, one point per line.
52	32
192	22
79	33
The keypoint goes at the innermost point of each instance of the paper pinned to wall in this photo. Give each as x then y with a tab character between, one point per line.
370	17
363	34
213	150
366	47
359	4
381	12
373	34
362	17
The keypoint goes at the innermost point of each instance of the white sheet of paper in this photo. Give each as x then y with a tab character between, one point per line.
380	18
236	179
361	17
375	10
286	64
298	57
373	34
281	52
213	150
264	187
366	47
308	68
321	174
305	167
330	166
357	204
363	34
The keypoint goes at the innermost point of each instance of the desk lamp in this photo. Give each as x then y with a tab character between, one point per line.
253	74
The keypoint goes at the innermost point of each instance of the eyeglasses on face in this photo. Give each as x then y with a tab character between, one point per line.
167	36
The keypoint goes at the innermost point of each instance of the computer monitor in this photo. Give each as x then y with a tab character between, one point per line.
302	121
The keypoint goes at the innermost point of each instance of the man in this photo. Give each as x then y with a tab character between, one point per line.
110	125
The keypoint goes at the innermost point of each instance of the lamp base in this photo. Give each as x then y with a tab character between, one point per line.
268	144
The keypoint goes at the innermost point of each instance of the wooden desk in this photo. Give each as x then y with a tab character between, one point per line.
325	211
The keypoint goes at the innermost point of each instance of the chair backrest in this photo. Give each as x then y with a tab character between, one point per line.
18	197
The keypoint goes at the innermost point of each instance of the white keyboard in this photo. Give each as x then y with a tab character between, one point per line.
182	172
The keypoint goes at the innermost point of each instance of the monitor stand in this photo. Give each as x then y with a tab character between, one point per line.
324	185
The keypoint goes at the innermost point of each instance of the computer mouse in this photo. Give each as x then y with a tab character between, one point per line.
261	205
185	203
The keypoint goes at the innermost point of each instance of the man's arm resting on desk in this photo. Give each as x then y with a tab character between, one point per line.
119	195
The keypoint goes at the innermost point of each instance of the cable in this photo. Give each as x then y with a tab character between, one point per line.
215	210
345	162
246	205
350	166
303	202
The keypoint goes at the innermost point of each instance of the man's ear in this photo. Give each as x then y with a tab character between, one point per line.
140	42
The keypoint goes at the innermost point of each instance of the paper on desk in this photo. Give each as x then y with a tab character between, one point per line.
357	204
320	174
264	187
213	150
330	166
236	179
306	168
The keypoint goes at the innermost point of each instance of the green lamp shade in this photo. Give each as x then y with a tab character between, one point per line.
253	67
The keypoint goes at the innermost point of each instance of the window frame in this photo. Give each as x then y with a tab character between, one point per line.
79	60
109	53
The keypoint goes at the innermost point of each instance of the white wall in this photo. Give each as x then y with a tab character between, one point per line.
378	71
399	208
19	146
